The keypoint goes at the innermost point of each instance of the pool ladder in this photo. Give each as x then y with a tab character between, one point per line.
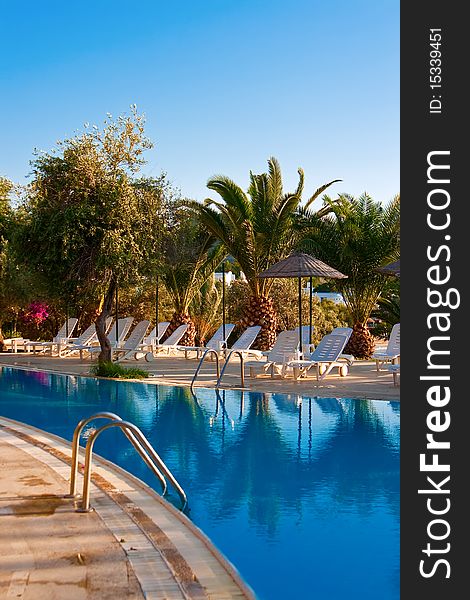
136	438
220	374
211	353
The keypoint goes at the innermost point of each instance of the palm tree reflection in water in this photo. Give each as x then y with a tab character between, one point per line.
255	460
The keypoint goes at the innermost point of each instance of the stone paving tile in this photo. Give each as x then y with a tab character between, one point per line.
156	576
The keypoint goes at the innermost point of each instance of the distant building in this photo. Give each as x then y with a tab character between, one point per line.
229	277
335	297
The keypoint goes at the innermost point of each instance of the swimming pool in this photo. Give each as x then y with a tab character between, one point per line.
301	494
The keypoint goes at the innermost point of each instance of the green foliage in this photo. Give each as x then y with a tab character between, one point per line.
256	227
388	308
18	285
206	310
88	225
187	257
86	221
6	187
356	237
117	371
6	214
138	300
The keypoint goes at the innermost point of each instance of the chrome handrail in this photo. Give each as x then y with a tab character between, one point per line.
207	352
76	443
227	360
153	460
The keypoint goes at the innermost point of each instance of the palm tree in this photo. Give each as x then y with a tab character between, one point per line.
388	306
356	236
188	258
206	309
256	228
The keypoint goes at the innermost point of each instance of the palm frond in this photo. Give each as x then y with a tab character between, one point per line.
236	201
355	237
274	179
319	191
256	228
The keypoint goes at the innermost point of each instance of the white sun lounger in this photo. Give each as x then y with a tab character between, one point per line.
14	344
153	338
346	331
306	345
87	338
61	339
284	349
391	354
324	358
395	370
245	341
171	343
121	331
241	348
217	342
132	343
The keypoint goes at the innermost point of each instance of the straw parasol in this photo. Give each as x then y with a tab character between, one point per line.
392	268
299	264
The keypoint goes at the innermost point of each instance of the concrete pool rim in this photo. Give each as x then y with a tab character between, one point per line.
105	472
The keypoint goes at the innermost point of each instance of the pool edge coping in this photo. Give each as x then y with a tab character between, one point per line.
9	425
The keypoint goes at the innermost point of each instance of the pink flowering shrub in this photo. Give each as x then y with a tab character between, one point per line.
36	313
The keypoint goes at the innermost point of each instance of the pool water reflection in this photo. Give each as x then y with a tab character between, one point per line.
301	494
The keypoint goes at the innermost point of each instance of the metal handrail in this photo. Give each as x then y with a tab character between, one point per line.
153	460
137	439
76	443
227	360
207	352
75	448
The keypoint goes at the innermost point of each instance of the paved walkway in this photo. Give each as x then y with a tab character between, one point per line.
133	545
363	380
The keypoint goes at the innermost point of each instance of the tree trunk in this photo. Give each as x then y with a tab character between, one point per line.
361	343
100	323
2	345
179	318
260	311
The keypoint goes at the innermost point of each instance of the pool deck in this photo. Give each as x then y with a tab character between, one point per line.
363	380
134	544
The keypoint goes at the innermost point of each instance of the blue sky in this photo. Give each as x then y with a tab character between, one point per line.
224	86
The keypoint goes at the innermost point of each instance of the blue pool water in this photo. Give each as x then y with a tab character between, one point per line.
301	494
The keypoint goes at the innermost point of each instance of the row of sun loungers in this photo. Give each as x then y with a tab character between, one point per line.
287	355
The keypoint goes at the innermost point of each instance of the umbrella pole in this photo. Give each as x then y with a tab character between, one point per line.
67	320
311	310
116	310
156	303
300	314
223	300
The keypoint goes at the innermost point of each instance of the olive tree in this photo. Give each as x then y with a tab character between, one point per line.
89	224
5	219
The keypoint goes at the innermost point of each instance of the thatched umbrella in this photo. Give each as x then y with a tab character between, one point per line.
392	268
299	264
